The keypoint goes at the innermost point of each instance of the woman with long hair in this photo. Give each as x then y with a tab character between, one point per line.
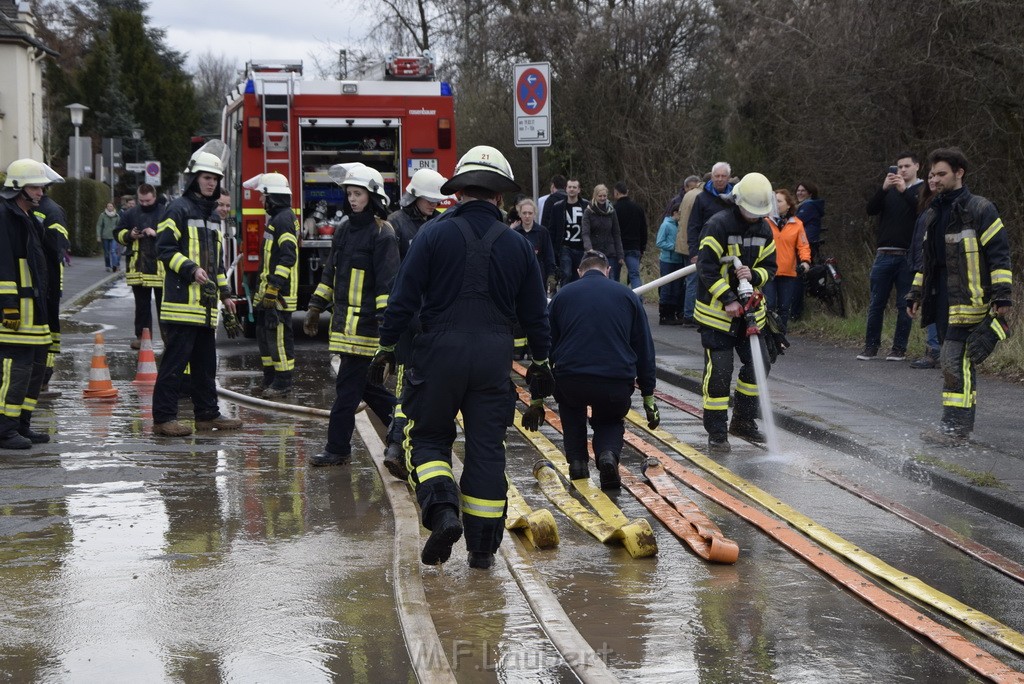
792	256
600	230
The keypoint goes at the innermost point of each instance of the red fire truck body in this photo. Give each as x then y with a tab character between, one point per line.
276	121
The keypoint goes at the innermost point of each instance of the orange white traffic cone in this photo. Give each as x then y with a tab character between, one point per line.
100	386
146	374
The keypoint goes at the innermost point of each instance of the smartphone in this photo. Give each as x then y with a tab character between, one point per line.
894	169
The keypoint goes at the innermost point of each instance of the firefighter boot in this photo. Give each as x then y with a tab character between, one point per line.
394	461
219	423
281	385
945	436
719	444
608	464
445	531
12	440
746	428
25	430
480	560
578	469
268	380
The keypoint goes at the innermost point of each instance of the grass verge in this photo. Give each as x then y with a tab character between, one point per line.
975	477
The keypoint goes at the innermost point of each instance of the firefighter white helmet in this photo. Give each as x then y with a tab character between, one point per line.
426	184
24	172
211	158
269	184
485	167
754	195
361	176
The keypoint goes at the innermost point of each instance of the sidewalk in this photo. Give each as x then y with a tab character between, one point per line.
83	276
876	410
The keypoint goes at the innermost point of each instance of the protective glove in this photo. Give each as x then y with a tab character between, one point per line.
552	284
981	341
311	326
209	294
540	379
803	267
382	365
232	326
653	414
12	319
533	416
269	300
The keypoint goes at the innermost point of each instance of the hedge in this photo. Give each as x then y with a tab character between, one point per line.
92	200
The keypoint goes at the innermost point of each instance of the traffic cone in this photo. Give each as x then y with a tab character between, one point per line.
146	374
100	386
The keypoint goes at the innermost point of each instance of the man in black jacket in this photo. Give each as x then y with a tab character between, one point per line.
633	230
895	204
601	347
566	228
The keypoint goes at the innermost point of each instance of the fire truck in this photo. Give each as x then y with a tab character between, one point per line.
278	121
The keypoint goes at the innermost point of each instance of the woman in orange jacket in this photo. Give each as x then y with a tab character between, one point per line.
792	255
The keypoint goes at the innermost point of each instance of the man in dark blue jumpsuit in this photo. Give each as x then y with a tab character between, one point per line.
600	346
469	277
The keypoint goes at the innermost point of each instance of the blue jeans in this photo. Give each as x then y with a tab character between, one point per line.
690	299
111	253
569	263
779	294
889	271
933	343
632	258
670	295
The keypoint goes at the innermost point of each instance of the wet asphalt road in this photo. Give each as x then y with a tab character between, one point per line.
125	557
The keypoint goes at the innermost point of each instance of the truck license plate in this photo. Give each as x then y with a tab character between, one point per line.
417	164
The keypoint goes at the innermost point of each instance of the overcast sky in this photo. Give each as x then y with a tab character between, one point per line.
247	29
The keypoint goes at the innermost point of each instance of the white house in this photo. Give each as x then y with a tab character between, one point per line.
22	123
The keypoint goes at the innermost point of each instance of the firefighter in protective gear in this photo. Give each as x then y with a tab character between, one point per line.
278	284
965	279
55	246
144	273
740	231
192	253
469	277
418	205
357	278
24	327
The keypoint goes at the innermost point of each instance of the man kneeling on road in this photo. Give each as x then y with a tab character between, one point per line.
742	232
600	346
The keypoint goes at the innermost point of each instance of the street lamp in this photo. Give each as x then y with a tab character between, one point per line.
77	115
137	134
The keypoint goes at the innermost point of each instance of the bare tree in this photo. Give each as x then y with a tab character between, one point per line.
213	75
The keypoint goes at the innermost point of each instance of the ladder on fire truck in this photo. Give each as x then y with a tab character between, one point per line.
274	82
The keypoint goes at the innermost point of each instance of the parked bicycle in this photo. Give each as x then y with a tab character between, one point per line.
823	281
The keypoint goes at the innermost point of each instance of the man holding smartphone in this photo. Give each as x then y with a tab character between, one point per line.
895	205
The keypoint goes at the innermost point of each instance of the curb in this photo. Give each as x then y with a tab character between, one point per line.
990	501
69	302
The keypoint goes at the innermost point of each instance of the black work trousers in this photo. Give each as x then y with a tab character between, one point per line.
467	372
143	309
22	367
275	339
194	346
719	348
609	402
351	387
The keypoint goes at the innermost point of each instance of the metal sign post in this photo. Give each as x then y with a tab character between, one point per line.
532	88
